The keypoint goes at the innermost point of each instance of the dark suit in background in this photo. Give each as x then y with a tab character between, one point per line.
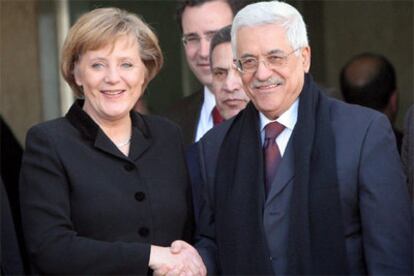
197	183
369	79
186	113
407	152
89	209
371	187
10	257
11	159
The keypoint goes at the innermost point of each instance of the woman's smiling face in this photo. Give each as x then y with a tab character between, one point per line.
112	79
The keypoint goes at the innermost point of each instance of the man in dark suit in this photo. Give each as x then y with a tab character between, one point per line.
369	79
199	20
230	99
322	195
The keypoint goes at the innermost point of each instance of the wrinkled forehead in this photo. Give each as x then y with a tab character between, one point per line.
260	39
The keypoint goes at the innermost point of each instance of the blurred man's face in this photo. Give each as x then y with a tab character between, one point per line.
199	24
227	85
277	71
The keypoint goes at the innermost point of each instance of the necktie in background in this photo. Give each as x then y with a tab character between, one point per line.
217	119
271	152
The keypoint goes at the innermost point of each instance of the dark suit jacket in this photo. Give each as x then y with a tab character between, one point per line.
197	183
11	159
407	152
88	209
10	257
186	113
372	191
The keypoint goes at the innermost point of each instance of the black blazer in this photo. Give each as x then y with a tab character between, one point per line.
88	209
186	113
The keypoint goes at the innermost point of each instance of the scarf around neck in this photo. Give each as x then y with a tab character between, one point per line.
316	243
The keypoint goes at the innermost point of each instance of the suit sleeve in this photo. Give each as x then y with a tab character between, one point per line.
407	150
53	244
205	235
384	203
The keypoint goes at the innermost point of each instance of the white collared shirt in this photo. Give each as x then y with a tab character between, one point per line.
205	123
288	119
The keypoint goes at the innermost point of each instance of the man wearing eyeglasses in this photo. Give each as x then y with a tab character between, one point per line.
199	20
299	183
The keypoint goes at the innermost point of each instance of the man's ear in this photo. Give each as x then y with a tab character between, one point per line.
306	58
393	102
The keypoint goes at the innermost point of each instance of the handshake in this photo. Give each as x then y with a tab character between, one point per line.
179	259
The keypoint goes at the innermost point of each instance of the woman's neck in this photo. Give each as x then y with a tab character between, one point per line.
119	130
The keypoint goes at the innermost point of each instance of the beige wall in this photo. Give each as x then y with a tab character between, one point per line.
20	102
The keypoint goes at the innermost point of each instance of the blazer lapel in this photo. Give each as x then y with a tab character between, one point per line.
139	144
140	140
284	175
103	143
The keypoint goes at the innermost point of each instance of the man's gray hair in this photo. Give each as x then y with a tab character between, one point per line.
273	12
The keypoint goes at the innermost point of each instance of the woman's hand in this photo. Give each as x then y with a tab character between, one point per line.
179	259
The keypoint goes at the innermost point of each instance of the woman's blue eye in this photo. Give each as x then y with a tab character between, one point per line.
97	65
126	65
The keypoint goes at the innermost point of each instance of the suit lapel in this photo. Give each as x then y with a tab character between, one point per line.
284	175
194	113
140	140
103	143
139	144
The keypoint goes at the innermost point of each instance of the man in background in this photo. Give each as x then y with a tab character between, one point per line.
369	79
230	100
199	20
226	84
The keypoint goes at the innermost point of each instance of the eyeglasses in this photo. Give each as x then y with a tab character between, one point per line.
272	61
194	40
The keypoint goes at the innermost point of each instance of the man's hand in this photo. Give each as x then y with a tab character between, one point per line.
179	259
191	256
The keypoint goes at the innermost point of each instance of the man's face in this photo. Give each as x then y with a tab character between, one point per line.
272	88
227	85
200	23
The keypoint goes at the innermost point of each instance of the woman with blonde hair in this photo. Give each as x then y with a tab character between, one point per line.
104	189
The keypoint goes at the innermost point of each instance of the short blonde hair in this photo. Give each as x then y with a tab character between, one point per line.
101	27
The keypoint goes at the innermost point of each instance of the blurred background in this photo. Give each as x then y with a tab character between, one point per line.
32	31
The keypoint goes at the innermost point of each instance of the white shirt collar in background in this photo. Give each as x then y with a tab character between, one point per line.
205	122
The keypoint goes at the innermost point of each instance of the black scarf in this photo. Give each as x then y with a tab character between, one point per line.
316	235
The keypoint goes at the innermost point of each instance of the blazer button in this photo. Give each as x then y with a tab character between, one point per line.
129	167
140	196
143	231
